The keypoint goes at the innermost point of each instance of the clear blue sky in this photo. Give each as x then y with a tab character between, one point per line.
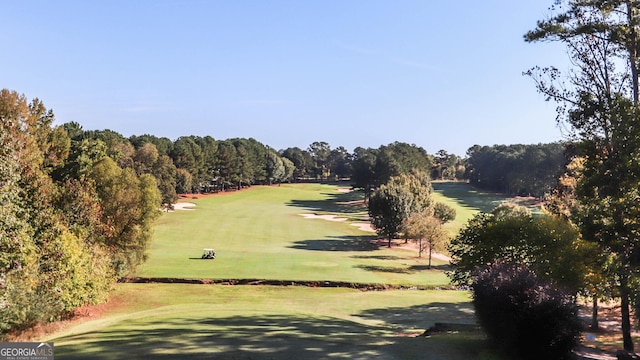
438	74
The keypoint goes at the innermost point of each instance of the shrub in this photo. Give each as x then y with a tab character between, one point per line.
523	315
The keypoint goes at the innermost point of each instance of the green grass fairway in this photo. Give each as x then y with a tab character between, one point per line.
164	321
468	201
258	233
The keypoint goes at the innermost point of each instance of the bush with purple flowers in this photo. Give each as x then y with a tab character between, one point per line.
523	315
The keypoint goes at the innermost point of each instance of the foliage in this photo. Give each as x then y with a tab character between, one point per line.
516	169
184	181
547	244
276	170
423	226
443	212
320	152
448	166
48	267
129	206
301	159
392	204
599	103
524	315
372	168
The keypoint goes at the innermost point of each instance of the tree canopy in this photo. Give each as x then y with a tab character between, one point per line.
598	102
549	246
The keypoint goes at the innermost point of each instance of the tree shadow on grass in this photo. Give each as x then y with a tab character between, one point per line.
241	337
345	203
402	270
423	316
443	267
377	257
271	337
338	243
385	269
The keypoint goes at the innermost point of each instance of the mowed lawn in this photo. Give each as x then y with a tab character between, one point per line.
178	321
259	233
469	201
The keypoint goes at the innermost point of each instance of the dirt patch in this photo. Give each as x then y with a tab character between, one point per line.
400	244
79	315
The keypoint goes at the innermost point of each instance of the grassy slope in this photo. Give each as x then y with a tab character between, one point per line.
259	233
256	322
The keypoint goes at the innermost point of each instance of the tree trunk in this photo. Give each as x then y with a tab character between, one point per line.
626	321
594	314
633	53
389	242
429	256
420	247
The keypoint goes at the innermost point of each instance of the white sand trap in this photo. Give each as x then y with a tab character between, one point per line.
325	217
363	226
184	206
344	190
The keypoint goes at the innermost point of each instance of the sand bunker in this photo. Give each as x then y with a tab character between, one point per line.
325	217
184	206
364	226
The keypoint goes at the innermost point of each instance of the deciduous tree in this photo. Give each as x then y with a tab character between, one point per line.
549	246
599	103
392	204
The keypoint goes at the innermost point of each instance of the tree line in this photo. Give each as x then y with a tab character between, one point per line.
517	169
71	221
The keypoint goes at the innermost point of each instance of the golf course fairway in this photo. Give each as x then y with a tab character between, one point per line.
290	233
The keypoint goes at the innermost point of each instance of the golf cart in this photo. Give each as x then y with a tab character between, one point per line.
209	254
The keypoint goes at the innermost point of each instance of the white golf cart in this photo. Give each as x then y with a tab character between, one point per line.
209	254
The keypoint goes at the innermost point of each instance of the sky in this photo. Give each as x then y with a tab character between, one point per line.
438	74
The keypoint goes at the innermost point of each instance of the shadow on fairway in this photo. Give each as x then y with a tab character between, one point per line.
377	257
400	270
338	243
415	268
423	316
346	203
275	337
242	337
